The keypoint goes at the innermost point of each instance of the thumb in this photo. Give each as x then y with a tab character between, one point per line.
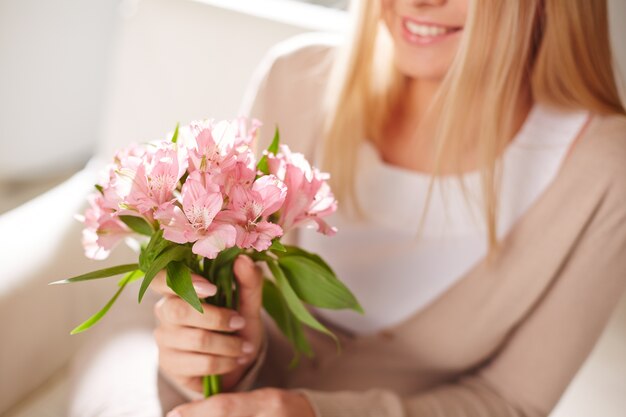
250	280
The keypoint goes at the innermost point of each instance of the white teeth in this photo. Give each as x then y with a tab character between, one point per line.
424	30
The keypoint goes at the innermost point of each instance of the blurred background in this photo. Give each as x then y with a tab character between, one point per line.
84	77
75	74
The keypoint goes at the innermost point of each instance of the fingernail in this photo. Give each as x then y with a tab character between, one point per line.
247	347
237	322
242	360
204	288
174	413
247	260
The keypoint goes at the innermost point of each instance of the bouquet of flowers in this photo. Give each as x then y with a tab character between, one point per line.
193	203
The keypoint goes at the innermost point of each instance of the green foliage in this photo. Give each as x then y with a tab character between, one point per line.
276	306
176	253
101	273
155	247
316	285
132	277
175	135
277	246
138	225
178	278
295	305
96	317
273	149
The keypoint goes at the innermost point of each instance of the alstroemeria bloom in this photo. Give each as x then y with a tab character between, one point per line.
154	181
241	173
199	218
249	209
215	147
309	197
103	230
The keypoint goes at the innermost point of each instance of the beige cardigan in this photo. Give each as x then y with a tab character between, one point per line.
508	337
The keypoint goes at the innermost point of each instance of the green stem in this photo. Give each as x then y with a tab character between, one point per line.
212	384
206	386
216	384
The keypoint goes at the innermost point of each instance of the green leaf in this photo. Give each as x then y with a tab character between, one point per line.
137	224
273	148
316	285
295	305
223	258
99	188
131	277
277	308
96	317
275	142
101	273
175	135
175	253
155	247
276	246
179	280
294	250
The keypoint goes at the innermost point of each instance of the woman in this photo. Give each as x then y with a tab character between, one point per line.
487	303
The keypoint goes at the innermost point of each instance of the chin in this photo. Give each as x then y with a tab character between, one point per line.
422	69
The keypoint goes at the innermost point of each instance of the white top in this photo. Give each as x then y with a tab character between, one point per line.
393	273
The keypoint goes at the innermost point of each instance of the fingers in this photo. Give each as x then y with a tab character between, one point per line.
175	311
203	287
190	364
250	281
201	341
242	404
262	402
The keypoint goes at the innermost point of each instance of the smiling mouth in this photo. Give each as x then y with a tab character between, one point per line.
427	32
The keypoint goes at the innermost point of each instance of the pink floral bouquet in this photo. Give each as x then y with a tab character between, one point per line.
197	201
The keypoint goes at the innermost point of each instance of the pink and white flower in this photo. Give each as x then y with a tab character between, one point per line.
206	190
152	183
309	197
249	209
196	219
103	229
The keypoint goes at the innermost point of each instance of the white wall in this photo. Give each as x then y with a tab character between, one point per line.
184	60
53	65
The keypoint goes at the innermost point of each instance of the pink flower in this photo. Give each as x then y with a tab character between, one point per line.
215	146
103	229
153	182
249	209
309	197
241	173
198	220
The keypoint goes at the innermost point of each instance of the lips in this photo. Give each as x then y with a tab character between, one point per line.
422	33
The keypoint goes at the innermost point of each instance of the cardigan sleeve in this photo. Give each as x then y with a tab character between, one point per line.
543	353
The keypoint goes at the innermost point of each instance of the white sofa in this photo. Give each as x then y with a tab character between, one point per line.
149	91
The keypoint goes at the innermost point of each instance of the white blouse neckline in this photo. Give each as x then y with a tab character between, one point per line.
562	125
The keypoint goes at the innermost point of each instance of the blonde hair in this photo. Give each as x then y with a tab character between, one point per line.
544	44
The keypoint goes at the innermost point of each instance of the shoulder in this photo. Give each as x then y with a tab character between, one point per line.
303	51
288	88
603	147
599	160
303	59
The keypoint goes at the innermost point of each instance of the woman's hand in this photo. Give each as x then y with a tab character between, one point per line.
265	402
220	341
